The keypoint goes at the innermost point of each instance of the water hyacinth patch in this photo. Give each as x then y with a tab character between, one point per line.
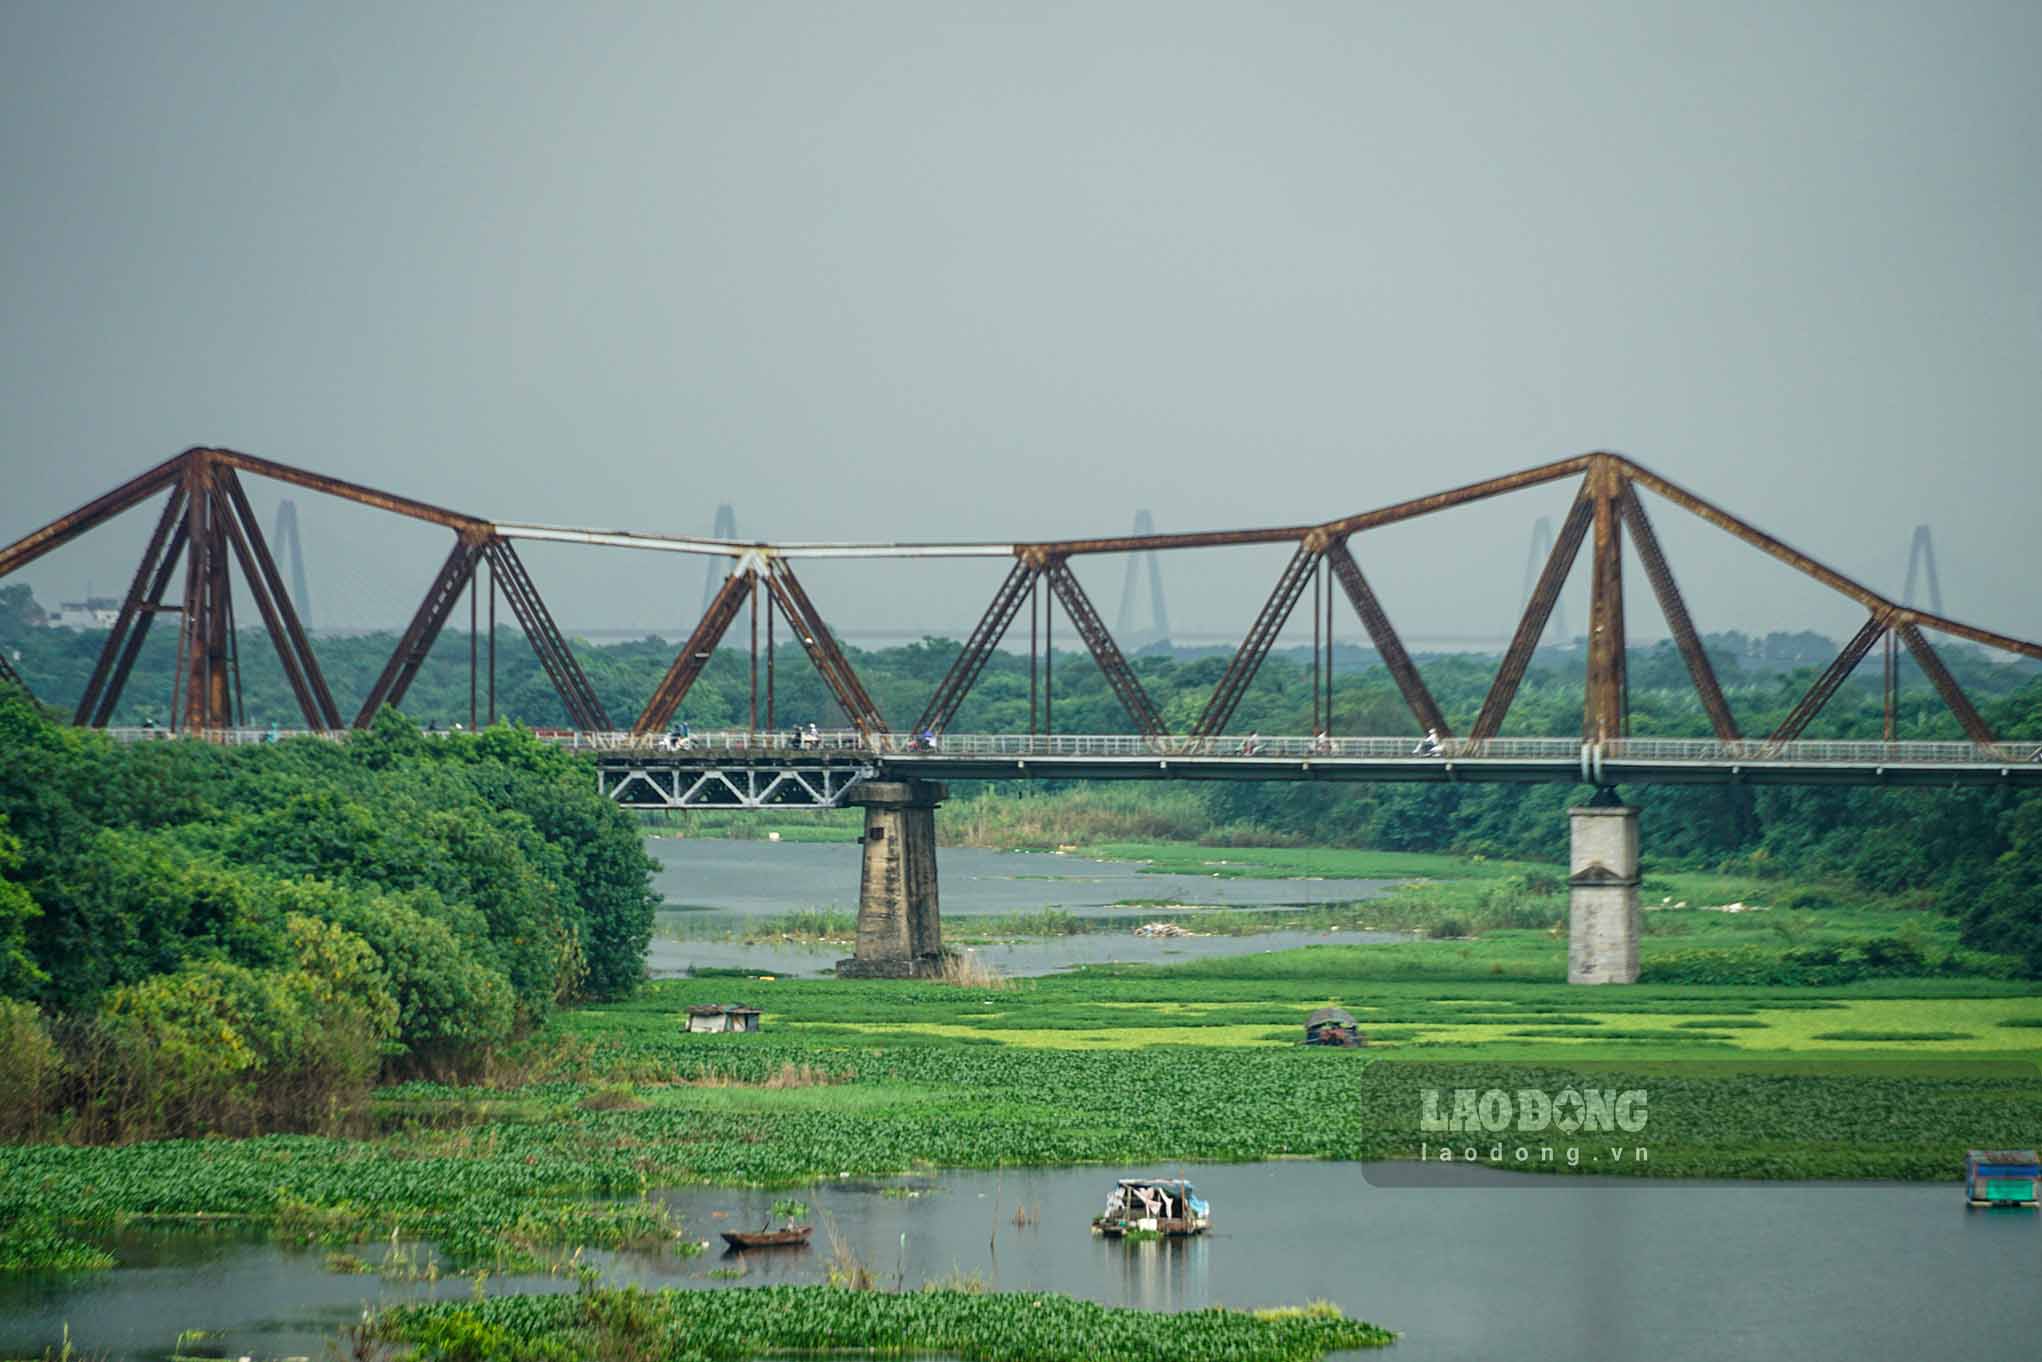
821	1320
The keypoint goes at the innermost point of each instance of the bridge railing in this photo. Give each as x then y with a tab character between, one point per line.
849	743
1710	751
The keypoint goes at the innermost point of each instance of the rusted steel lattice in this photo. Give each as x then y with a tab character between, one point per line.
206	530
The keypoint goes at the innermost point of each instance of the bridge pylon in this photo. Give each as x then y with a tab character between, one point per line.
1159	616
723	527
285	537
1921	561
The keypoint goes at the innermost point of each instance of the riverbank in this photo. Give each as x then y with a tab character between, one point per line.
1887	1079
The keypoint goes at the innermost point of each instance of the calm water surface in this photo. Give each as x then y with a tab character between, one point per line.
1527	1269
716	887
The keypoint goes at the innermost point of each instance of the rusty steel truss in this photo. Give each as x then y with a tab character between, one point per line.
206	528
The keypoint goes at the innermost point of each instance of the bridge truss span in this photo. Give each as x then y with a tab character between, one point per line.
206	530
729	785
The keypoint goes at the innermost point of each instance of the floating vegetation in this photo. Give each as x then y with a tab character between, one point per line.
964	1323
1894	1035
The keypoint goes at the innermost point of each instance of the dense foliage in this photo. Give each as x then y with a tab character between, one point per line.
232	938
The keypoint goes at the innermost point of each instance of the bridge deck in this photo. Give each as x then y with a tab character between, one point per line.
740	769
633	767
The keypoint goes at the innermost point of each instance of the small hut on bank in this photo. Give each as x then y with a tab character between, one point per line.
711	1018
1333	1026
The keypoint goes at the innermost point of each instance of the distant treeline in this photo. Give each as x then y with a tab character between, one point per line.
203	938
1948	847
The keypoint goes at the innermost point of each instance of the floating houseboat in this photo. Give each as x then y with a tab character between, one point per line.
2001	1177
1153	1206
1333	1026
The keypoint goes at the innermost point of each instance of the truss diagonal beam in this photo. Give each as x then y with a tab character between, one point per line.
11	677
829	660
1821	572
1946	685
270	605
1388	646
1104	650
91	515
1832	677
133	613
417	641
688	664
145	615
1531	626
1678	622
280	616
570	682
1248	658
985	637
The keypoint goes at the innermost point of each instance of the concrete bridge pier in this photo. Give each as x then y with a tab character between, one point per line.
1603	923
900	935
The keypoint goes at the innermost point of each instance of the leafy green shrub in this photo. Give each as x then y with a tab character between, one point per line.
29	1070
219	1049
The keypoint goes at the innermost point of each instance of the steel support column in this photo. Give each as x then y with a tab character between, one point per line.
207	663
1606	708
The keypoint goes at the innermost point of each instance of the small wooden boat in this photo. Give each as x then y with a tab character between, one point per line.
787	1236
1169	1206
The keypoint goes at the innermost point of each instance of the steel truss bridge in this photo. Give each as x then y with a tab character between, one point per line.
206	528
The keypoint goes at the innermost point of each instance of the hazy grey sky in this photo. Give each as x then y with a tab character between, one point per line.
967	270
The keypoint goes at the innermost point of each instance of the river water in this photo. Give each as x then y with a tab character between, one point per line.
1505	1266
716	889
1532	1269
